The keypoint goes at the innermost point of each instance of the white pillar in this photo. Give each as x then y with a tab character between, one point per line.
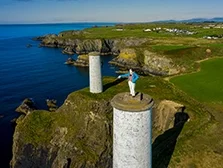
95	73
132	131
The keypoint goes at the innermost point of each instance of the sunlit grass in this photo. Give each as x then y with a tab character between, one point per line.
206	85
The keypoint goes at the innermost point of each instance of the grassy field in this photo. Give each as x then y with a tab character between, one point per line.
205	85
184	49
136	30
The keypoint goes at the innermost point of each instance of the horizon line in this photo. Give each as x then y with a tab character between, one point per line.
73	22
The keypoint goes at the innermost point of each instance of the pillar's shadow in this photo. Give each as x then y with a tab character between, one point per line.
108	85
164	144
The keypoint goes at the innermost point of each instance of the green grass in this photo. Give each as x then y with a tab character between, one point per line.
38	124
183	49
205	85
41	127
169	47
136	30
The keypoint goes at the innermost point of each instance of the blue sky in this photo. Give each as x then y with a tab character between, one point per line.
49	11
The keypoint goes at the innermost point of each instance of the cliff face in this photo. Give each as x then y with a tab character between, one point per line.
131	52
145	62
77	135
82	46
85	46
126	59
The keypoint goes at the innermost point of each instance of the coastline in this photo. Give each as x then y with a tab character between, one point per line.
200	120
37	73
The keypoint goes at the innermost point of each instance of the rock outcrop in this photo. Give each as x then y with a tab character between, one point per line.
80	45
126	59
68	50
51	104
104	46
151	64
157	63
165	114
87	46
27	106
70	61
82	61
77	135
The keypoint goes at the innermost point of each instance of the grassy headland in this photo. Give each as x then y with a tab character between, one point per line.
138	30
183	43
80	123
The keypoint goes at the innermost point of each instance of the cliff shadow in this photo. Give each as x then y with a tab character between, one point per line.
164	145
115	82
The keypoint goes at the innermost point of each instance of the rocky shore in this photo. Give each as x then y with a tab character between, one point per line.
82	61
26	106
126	49
80	46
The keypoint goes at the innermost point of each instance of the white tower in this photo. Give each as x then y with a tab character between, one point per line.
95	73
132	131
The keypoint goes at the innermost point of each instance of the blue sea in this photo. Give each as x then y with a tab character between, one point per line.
37	73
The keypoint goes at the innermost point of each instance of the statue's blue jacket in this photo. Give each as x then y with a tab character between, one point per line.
135	77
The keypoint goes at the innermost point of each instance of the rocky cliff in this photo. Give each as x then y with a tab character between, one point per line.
145	62
82	61
81	46
79	133
131	52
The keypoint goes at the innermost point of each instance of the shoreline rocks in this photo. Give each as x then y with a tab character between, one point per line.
129	56
82	61
79	45
26	107
77	134
69	51
51	104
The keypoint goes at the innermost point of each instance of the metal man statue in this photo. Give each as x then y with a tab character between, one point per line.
132	78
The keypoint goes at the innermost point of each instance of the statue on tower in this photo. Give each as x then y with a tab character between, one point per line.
132	78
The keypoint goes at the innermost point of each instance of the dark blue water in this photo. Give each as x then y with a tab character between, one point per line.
37	73
24	30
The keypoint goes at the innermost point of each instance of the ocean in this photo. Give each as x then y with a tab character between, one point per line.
37	73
